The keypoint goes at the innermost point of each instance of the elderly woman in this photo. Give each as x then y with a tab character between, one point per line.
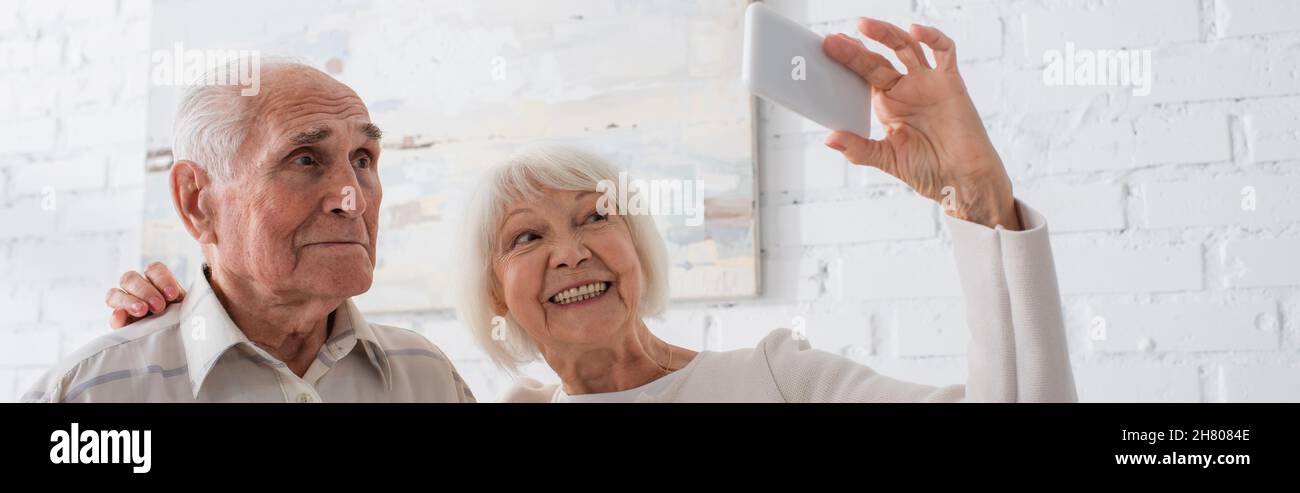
549	273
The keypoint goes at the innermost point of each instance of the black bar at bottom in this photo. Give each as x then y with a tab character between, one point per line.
487	441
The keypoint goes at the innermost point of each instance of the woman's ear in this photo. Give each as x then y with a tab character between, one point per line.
498	303
192	194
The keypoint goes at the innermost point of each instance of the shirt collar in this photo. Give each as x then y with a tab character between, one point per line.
348	318
207	332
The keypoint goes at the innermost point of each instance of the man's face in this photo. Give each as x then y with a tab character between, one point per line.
300	215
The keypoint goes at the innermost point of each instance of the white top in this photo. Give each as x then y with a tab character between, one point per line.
623	396
193	352
1017	350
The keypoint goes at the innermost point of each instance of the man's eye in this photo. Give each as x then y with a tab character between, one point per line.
361	162
596	217
305	160
525	238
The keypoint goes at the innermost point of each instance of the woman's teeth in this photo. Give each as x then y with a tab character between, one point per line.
573	295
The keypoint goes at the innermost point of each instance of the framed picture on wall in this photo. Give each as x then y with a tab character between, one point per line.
652	86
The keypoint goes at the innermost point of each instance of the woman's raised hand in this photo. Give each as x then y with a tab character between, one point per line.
934	139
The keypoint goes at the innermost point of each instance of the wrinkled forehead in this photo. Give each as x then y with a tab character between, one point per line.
532	192
542	201
295	97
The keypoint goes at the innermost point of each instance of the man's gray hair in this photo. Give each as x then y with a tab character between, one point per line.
213	117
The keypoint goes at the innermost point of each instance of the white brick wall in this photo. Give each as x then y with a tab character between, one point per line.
1258	384
1138	382
1199	294
1185	327
72	92
1252	263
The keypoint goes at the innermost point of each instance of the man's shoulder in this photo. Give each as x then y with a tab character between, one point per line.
398	341
419	359
124	342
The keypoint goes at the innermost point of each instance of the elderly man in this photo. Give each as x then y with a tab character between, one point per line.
282	191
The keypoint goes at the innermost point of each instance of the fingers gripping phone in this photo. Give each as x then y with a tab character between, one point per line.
784	63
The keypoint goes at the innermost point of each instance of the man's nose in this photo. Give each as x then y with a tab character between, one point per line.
344	197
570	252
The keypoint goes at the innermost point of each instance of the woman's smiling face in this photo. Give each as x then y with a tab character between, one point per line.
569	275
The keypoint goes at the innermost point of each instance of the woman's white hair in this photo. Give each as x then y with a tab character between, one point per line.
525	176
213	117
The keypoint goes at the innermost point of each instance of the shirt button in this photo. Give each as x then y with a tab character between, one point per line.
304	397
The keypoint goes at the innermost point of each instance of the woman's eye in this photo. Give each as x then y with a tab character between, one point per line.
596	217
361	162
305	160
525	238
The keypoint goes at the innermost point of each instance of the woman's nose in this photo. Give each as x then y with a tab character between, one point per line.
570	253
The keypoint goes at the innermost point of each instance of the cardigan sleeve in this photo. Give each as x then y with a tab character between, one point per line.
804	374
1017	351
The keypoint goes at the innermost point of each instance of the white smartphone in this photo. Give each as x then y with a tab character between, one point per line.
784	63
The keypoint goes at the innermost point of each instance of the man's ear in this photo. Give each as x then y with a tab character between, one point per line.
192	195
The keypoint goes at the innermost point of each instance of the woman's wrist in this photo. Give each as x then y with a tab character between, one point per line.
1009	218
984	204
